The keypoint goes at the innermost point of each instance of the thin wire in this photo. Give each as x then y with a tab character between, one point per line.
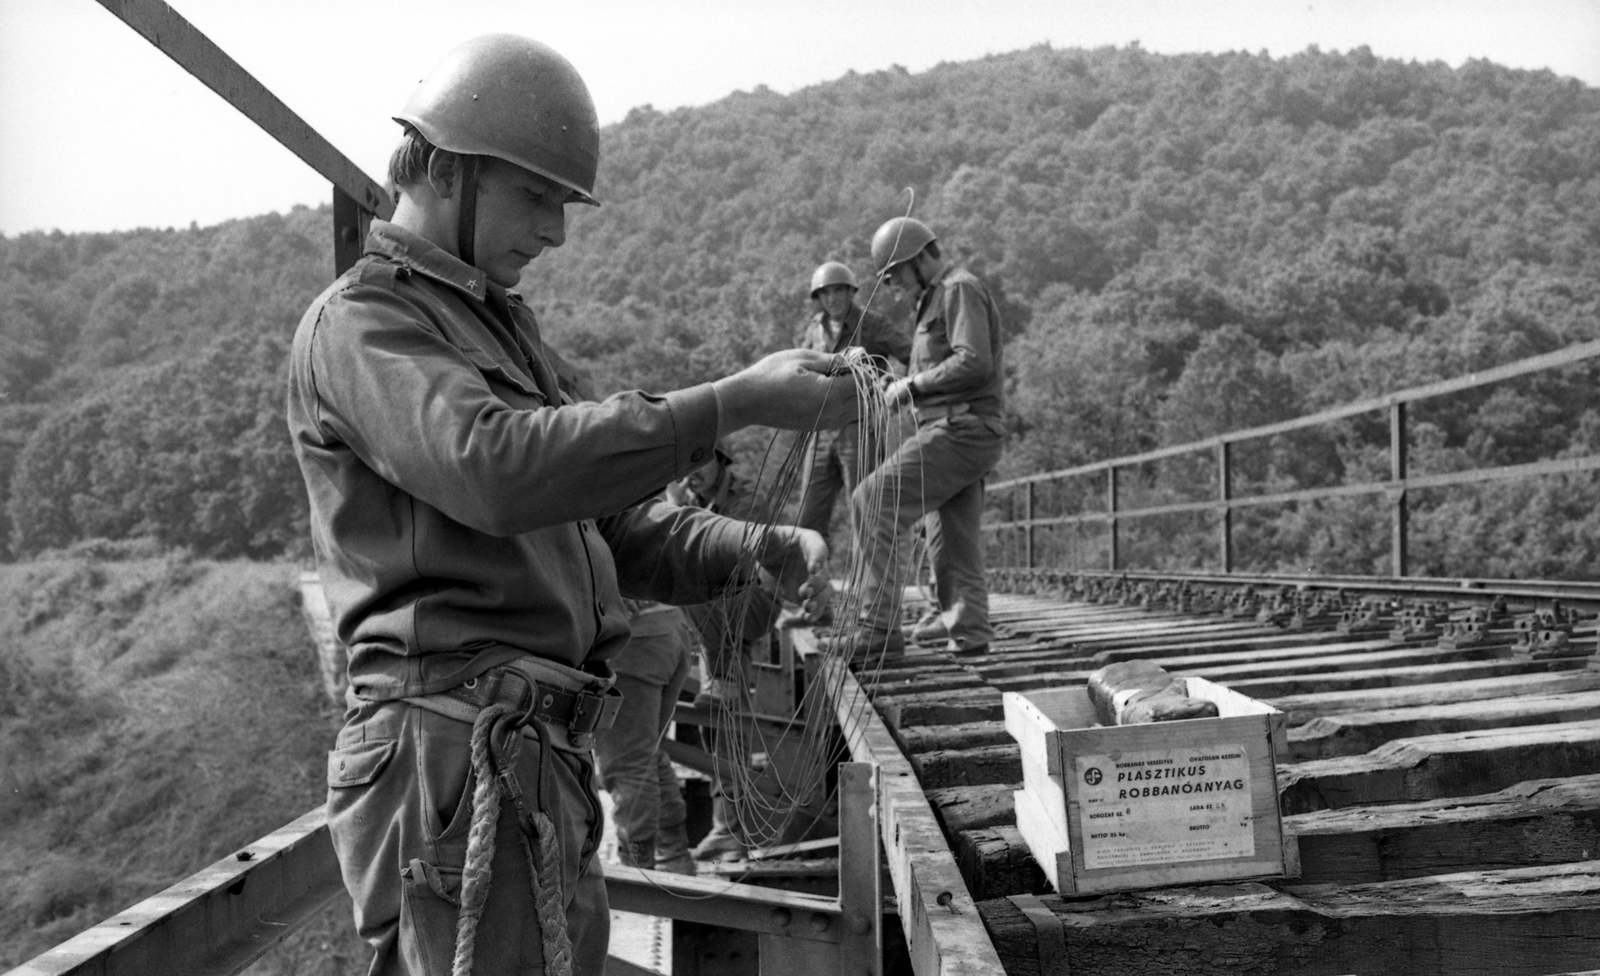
766	799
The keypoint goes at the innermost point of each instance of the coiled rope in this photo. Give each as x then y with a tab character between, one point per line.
496	743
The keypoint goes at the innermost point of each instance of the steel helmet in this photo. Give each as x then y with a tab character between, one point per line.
831	273
516	99
899	240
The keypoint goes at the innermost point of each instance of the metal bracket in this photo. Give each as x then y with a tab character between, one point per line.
860	877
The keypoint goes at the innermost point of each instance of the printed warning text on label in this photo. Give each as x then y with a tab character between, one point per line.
1165	807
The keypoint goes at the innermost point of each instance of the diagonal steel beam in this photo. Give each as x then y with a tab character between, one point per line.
181	41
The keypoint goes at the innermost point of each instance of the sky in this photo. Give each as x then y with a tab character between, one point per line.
100	131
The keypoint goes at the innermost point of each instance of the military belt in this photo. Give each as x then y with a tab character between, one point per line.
927	415
573	708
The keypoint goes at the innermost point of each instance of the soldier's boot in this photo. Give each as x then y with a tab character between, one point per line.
672	849
637	853
723	843
931	629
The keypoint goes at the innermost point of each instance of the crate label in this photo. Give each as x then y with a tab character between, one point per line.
1191	803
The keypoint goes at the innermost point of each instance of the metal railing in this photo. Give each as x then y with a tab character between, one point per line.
1017	538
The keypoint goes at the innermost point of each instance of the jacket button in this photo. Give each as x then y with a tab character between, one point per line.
698	453
601	606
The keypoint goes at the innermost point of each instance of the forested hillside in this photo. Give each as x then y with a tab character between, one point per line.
157	712
1182	244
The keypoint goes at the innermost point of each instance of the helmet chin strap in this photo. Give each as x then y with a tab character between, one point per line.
467	224
916	269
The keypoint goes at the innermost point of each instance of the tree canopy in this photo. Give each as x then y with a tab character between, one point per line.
1180	245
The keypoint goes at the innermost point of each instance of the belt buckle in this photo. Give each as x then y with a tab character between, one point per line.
592	713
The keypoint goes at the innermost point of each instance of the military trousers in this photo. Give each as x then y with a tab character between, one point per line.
400	788
937	471
634	769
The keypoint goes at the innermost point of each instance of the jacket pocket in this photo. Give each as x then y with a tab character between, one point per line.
508	384
359	764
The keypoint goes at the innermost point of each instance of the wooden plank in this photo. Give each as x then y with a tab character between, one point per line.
1356	732
1524	922
1550	821
888	687
1245	674
1303	708
1180	657
968	767
1415	770
963	735
977	705
1134	630
1425	836
944	934
996	862
1453	764
1271	688
1329	642
1396	658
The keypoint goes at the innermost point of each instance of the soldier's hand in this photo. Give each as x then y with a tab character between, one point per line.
898	392
795	561
796	389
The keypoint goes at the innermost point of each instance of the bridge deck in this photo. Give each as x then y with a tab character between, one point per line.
1446	799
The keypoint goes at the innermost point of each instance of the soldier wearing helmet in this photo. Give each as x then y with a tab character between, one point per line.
840	458
477	523
954	390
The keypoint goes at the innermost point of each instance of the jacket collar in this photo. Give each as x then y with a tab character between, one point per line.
846	328
426	258
925	300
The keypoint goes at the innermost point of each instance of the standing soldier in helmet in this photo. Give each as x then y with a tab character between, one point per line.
840	458
955	391
476	529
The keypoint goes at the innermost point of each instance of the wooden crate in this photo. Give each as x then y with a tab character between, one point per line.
1117	808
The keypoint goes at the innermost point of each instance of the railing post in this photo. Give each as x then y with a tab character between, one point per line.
1027	533
860	950
1224	494
1111	506
1400	512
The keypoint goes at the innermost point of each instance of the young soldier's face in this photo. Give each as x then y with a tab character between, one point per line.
835	300
520	215
702	478
902	280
